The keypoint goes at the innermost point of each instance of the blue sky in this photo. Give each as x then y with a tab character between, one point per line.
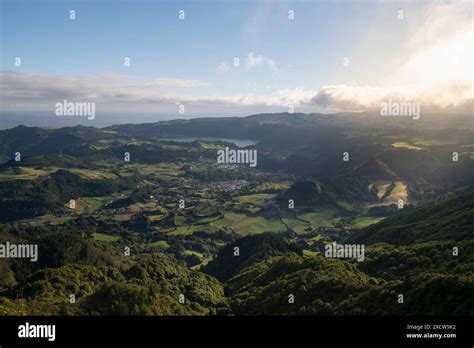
308	50
276	54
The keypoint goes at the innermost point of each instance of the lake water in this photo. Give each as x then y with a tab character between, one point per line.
236	142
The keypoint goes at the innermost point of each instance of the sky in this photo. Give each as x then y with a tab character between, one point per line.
312	56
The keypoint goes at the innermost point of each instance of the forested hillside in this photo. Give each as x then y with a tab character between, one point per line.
137	220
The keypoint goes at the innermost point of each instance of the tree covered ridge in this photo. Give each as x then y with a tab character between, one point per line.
259	281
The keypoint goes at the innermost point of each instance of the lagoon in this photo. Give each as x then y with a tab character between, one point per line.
237	142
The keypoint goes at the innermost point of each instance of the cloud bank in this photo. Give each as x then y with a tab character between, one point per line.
43	91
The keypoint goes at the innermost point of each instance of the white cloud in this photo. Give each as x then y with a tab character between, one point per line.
252	60
178	83
112	91
345	97
20	89
107	87
222	68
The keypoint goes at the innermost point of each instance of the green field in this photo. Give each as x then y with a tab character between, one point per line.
324	218
255	199
105	237
23	173
404	145
310	253
364	221
161	244
244	224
